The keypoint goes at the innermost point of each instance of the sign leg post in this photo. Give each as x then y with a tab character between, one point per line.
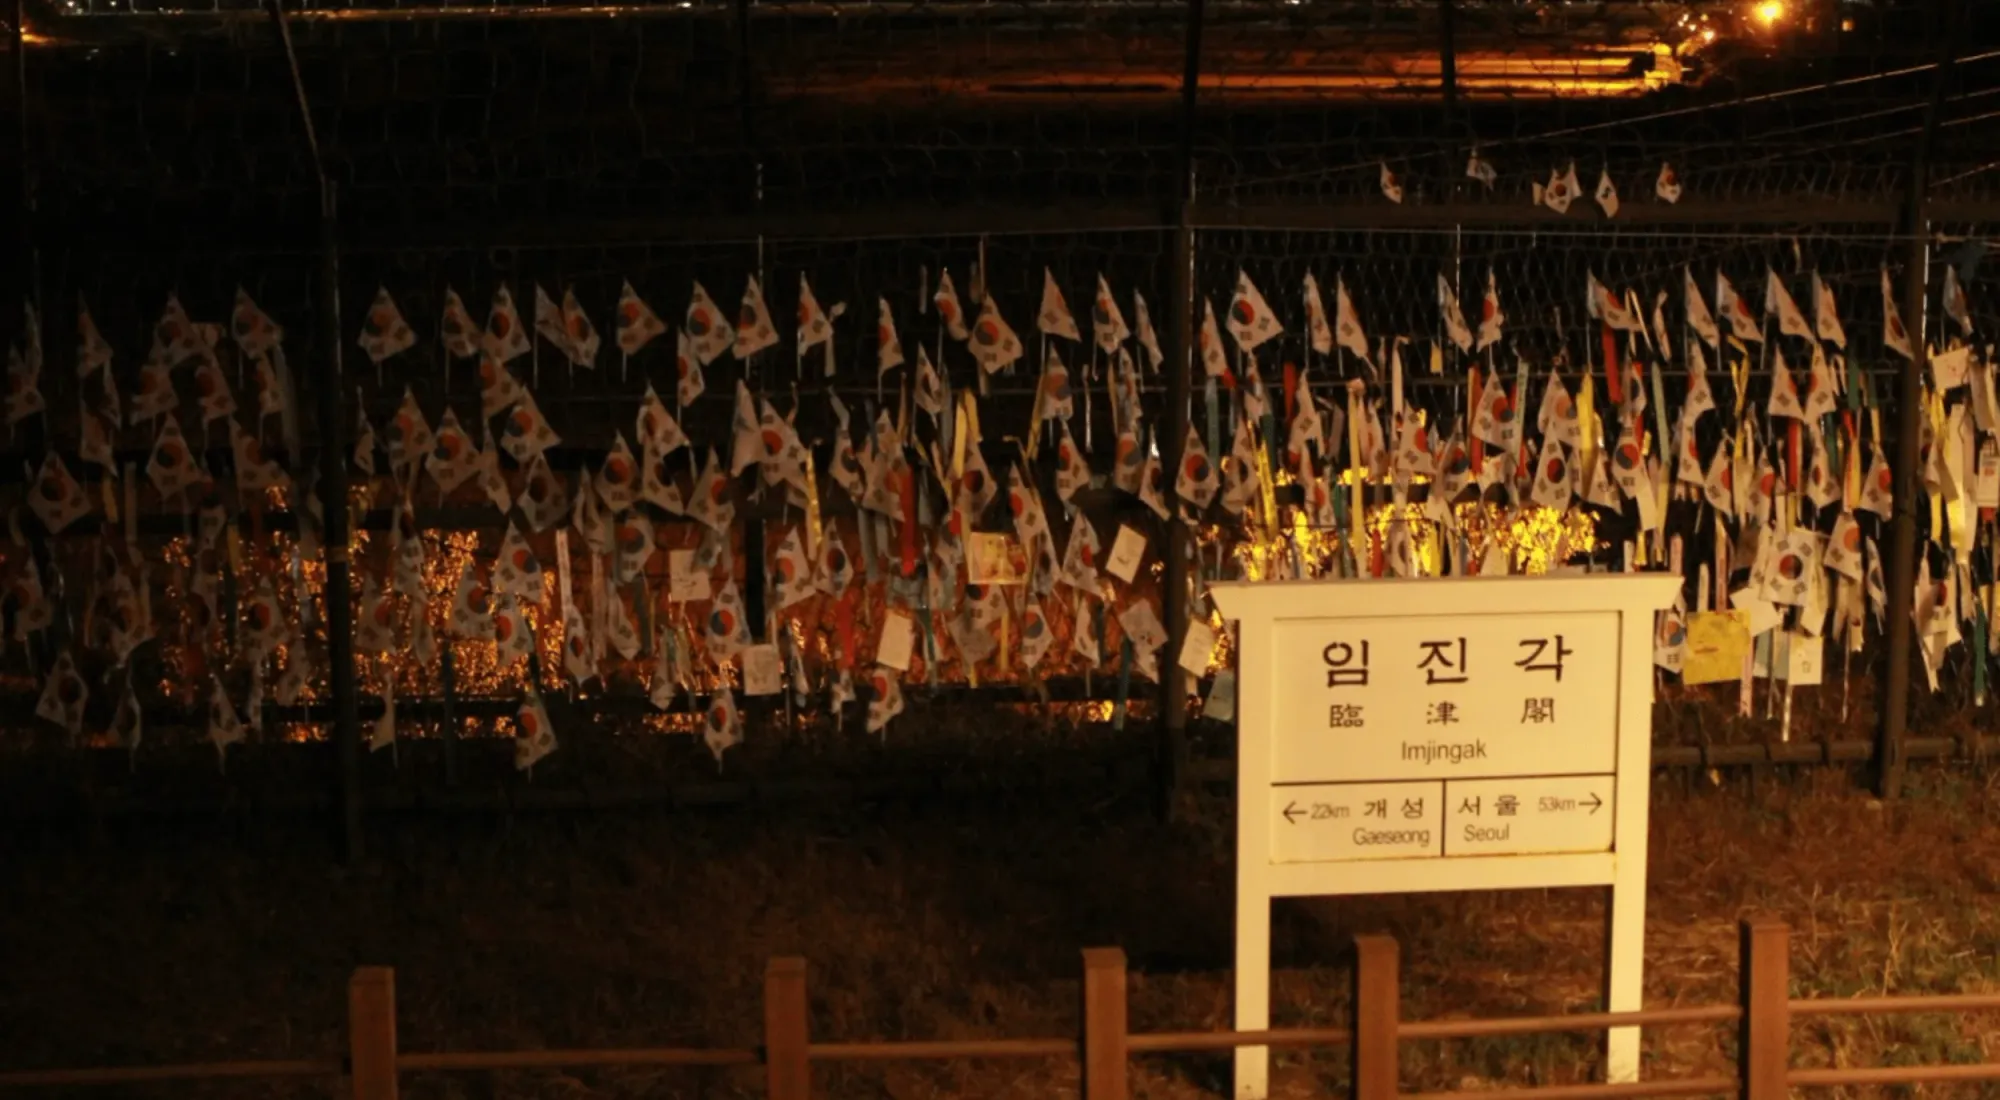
1625	976
1253	991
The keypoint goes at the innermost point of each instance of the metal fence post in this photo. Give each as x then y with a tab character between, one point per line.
1904	546
787	1073
1765	1055
1174	682
371	1033
1378	996
1104	1024
327	393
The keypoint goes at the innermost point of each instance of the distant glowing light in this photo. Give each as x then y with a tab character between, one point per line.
1770	12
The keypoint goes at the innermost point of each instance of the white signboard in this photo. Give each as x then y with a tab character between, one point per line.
1449	697
1442	734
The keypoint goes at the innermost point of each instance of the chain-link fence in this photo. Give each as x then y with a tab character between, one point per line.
872	149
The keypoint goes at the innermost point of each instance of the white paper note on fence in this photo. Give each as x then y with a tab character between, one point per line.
898	634
1807	656
685	580
1127	551
1221	704
763	670
1196	647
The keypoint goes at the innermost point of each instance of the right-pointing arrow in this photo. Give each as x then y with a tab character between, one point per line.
1595	802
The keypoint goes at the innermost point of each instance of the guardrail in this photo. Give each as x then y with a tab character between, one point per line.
374	1064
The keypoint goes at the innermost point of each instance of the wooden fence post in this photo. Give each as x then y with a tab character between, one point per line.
1765	1057
1378	1010
371	1033
1104	1024
787	1073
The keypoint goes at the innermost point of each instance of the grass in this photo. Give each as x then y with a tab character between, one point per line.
235	940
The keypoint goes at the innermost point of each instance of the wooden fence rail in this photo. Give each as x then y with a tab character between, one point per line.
374	1064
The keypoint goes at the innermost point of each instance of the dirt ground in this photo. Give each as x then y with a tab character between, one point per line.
152	943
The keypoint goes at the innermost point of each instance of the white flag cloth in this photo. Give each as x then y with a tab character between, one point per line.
506	339
1602	304
1251	321
709	333
888	346
456	328
1668	185
93	352
579	335
1346	323
1819	399
549	322
722	725
1392	188
1318	331
657	427
254	331
815	325
527	433
746	442
994	343
1778	301
383	330
1894	336
1607	194
1742	323
1214	361
754	330
63	697
1698	317
224	727
1491	318
1142	327
950	310
618	478
174	337
885	697
171	468
1196	481
1826	313
638	325
1054	318
1784	399
58	500
1479	168
534	734
1955	306
1455	328
1562	190
1107	322
689	382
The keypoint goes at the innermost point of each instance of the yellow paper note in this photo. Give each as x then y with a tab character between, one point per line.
1716	643
815	527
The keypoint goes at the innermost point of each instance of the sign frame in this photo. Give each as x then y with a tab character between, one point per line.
1258	608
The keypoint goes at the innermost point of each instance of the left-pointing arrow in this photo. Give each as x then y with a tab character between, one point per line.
1292	813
